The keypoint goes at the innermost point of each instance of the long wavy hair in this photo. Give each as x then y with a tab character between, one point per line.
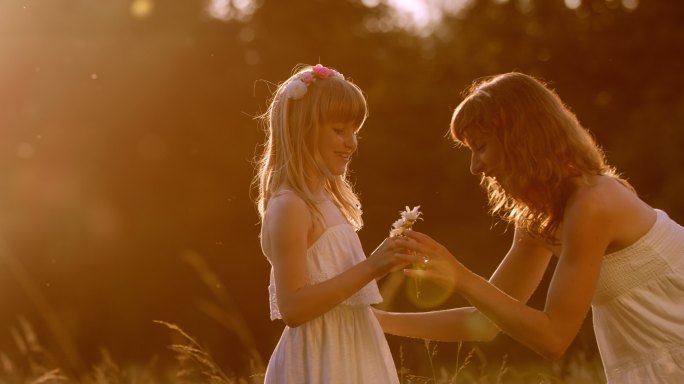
543	144
290	153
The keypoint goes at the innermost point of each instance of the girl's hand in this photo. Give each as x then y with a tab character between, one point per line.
390	256
439	264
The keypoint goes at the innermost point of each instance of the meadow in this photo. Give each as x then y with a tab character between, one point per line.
196	365
417	361
128	233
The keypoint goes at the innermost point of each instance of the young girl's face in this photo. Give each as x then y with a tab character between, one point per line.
486	154
336	144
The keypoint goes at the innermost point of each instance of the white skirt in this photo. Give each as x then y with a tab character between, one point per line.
345	345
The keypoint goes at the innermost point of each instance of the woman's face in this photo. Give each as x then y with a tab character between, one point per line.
486	157
336	144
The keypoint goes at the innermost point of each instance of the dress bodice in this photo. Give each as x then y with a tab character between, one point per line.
659	251
637	307
334	252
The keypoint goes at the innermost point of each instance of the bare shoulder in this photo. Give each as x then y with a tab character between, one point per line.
286	208
597	200
287	217
601	195
607	208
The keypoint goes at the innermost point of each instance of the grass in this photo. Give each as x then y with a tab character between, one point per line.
476	368
196	365
34	364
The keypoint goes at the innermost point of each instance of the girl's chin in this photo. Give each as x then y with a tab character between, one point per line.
339	169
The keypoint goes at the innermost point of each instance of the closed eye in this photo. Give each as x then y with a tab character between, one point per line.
477	147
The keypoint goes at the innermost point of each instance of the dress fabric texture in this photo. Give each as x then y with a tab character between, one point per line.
638	308
344	345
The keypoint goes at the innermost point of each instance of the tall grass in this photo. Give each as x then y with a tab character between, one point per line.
474	367
34	364
196	365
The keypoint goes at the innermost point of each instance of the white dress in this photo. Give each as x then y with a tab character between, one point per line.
638	308
344	345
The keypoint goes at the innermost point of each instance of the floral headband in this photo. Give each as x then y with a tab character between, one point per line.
297	87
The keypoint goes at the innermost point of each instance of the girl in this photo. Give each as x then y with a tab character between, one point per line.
321	284
544	173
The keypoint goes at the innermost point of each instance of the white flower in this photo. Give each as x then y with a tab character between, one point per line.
296	89
399	223
408	218
411	214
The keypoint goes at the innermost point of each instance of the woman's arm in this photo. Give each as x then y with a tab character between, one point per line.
518	275
287	224
585	236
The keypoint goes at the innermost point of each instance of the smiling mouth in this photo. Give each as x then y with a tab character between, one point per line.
345	156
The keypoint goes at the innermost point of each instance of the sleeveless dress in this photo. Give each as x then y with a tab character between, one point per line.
344	345
638	308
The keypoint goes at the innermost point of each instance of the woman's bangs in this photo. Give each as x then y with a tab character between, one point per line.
467	118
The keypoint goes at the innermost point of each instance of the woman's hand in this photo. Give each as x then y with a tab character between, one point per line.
438	264
390	256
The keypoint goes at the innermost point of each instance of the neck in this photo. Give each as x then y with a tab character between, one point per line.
316	186
311	184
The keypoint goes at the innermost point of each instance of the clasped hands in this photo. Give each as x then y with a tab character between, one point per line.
416	248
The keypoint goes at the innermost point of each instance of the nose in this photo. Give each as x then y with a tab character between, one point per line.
352	142
477	167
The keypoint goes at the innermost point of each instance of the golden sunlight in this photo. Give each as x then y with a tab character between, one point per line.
141	9
231	9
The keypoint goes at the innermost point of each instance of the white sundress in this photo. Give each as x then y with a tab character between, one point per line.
344	345
638	308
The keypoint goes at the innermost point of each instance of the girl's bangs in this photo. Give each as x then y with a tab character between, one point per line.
342	102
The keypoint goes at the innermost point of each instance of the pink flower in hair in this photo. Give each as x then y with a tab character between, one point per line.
322	72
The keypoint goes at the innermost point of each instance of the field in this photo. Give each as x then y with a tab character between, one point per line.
194	364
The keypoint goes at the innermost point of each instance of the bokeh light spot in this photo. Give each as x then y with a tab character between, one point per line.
630	5
141	9
231	9
573	4
247	34
426	294
26	151
252	57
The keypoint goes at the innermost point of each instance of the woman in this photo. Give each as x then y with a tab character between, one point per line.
544	174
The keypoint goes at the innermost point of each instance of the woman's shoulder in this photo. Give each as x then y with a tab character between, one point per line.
605	203
594	198
599	191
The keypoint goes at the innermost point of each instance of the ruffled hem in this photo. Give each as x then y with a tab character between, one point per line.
662	367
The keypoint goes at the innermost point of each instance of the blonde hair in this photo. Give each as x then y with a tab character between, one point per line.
291	146
543	144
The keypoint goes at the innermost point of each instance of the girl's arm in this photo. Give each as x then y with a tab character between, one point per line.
585	236
456	324
285	235
518	275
